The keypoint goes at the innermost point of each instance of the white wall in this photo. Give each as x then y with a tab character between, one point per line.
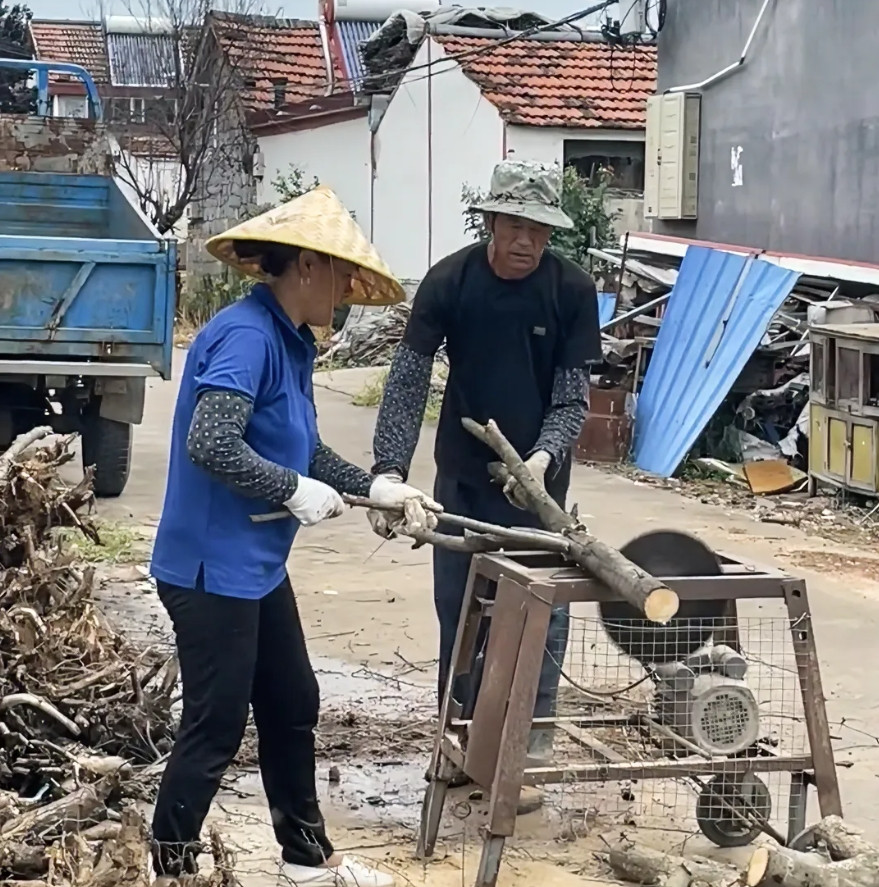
337	154
438	133
547	143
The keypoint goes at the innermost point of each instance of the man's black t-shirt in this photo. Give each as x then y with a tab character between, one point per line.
505	341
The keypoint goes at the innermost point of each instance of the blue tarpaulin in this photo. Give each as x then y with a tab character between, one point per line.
719	310
607	304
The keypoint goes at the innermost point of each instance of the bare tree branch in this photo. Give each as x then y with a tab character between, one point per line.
187	129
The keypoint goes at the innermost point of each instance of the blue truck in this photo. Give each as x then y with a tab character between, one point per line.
87	284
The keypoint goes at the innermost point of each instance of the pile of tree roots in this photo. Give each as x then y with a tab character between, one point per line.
85	717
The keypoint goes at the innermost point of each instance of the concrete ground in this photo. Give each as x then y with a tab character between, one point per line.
368	612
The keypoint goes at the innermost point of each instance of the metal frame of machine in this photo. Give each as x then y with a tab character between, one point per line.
518	592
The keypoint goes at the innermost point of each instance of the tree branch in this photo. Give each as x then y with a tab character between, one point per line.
651	597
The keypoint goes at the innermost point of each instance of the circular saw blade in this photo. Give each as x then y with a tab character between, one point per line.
665	553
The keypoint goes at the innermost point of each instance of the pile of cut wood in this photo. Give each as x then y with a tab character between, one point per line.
85	717
839	856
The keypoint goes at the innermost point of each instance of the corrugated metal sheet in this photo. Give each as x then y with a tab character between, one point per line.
141	59
607	305
351	37
719	310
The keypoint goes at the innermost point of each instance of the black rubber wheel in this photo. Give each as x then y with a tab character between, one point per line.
665	553
748	795
106	444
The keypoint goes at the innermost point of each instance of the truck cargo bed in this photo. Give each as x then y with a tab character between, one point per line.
83	276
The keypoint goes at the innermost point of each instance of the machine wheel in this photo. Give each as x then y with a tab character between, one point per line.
106	444
719	824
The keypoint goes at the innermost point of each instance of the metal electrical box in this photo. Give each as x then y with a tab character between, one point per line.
671	174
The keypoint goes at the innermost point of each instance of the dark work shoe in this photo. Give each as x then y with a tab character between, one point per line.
459	779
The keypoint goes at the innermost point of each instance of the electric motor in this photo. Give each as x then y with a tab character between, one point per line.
705	700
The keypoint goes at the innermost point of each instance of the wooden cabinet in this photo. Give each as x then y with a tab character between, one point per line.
844	406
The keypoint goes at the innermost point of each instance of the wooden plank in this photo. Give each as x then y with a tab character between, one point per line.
462	655
502	651
506	786
599	750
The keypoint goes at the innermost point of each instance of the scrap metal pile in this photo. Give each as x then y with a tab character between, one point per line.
85	717
717	347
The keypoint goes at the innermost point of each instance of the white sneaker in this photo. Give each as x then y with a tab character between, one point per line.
351	873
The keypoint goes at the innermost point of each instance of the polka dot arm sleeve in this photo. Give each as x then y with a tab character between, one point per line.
216	444
566	415
330	468
401	412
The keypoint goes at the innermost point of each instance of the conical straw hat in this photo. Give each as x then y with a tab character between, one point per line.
317	221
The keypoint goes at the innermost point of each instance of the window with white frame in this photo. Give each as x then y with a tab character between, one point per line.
70	106
142	110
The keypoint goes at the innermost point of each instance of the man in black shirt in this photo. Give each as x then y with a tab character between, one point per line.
520	326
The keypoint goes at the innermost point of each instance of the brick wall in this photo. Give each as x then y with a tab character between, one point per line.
54	144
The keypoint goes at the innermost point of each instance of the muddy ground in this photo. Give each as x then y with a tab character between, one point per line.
368	612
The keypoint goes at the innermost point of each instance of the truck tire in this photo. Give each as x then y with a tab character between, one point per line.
106	444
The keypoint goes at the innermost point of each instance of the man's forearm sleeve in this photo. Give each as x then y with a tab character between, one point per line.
566	415
401	412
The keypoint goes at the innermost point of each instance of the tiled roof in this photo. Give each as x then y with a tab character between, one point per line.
81	43
558	83
269	51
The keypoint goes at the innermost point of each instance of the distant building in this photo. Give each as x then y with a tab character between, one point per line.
135	70
788	153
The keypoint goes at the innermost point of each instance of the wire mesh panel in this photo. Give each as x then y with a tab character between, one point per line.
724	719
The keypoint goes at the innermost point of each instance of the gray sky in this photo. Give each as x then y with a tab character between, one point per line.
80	9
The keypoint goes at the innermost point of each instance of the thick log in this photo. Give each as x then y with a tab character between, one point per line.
656	601
779	867
74	812
654	868
854	861
843	841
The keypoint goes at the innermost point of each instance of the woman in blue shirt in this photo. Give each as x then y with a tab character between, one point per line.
245	442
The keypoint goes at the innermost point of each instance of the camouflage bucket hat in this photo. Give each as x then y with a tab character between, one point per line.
529	190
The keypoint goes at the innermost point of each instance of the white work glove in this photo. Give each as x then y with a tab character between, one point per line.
538	464
313	502
416	511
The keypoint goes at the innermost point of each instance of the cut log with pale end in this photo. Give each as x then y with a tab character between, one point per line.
780	867
648	595
854	861
655	868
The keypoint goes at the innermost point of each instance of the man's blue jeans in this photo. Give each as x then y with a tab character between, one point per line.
450	571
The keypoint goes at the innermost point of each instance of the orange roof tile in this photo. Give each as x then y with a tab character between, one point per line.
270	50
80	43
558	83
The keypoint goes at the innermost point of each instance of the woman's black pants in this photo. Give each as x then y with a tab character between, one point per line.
237	653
